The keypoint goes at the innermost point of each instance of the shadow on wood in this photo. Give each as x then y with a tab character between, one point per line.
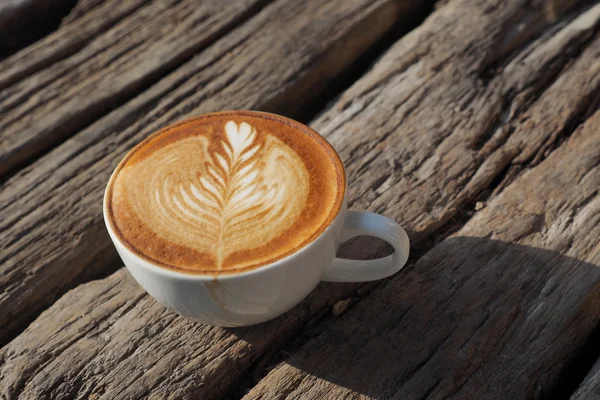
22	22
436	333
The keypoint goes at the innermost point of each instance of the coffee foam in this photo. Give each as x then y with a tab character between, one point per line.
226	192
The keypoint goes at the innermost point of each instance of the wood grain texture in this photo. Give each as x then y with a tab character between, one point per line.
108	340
208	362
496	311
447	110
115	66
81	9
53	233
68	39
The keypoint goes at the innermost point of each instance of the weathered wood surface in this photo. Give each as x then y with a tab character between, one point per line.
434	65
496	311
53	234
71	37
434	123
82	8
122	61
121	344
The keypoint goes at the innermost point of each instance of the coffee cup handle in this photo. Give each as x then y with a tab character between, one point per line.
358	223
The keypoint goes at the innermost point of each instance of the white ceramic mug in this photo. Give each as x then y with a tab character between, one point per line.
266	292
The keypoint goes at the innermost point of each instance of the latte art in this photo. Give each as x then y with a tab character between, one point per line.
224	193
223	202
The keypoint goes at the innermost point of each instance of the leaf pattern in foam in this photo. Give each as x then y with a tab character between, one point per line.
238	197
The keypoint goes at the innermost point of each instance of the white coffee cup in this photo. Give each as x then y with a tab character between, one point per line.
266	292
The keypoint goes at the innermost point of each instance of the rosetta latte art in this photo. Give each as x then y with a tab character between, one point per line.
220	195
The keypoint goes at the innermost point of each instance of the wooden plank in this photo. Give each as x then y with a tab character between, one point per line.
208	361
434	123
124	345
497	311
52	216
115	66
67	40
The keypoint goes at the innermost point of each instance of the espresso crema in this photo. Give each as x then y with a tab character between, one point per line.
225	192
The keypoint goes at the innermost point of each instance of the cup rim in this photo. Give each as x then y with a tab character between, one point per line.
233	275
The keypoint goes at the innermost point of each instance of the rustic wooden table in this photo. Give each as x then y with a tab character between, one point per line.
476	128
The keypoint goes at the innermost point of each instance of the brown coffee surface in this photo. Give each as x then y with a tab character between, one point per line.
225	192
